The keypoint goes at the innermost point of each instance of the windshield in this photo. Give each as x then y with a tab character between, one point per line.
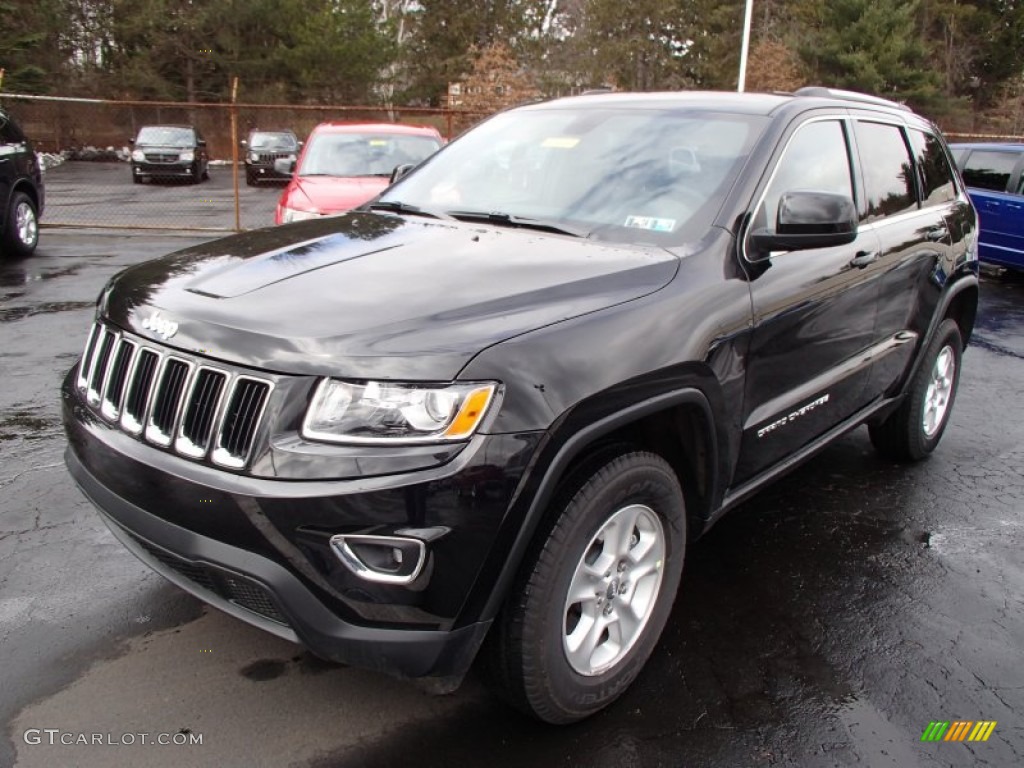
363	154
626	175
273	141
166	136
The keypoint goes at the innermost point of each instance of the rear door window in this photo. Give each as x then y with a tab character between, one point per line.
989	169
934	171
889	186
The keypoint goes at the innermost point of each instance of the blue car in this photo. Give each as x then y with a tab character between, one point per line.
994	175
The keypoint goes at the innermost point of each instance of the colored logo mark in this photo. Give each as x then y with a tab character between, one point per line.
958	730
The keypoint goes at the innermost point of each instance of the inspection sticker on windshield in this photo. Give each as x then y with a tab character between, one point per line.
651	223
560	142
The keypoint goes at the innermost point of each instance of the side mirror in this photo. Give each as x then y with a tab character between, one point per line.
809	219
400	171
284	166
201	143
131	141
244	143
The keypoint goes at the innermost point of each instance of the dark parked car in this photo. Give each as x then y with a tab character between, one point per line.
490	409
262	149
21	190
994	175
170	152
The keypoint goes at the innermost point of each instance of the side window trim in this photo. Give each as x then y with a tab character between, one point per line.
762	193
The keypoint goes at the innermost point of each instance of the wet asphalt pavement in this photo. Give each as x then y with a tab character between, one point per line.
824	623
102	194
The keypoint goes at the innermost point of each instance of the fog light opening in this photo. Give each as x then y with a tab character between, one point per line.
380	559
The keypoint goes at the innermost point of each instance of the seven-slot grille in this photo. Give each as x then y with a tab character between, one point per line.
269	157
172	401
162	157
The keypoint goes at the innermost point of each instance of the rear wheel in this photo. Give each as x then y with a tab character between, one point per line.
21	232
594	595
913	431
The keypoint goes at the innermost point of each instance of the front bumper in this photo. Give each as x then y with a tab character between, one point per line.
258	548
166	170
264	172
263	593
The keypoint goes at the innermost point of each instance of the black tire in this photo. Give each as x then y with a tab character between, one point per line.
196	174
527	657
206	172
136	179
21	230
906	435
250	180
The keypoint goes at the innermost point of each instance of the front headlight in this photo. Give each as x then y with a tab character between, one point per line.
289	215
188	157
253	157
138	156
385	412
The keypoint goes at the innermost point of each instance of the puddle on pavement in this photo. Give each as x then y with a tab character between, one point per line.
28	425
14	314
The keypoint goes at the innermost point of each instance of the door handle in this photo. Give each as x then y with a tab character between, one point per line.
937	233
863	258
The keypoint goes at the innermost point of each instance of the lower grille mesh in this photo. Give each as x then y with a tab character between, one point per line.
236	589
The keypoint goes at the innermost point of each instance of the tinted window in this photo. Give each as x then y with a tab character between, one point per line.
9	133
816	159
933	167
273	141
888	172
168	136
989	169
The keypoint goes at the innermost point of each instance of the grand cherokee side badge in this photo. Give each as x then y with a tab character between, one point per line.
160	326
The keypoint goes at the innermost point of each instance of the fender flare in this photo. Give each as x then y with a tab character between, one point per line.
572	448
963	284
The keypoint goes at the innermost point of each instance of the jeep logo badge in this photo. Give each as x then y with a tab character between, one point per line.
163	328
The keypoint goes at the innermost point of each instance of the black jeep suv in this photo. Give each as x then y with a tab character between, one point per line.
263	149
21	191
490	409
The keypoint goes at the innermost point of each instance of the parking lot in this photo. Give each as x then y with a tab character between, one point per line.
824	623
102	194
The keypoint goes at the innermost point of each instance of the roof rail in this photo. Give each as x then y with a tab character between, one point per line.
836	93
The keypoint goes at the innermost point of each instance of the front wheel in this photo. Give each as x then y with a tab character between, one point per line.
913	431
21	232
594	595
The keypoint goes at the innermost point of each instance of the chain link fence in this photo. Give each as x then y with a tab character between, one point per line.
86	147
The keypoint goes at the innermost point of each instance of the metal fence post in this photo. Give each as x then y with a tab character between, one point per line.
234	151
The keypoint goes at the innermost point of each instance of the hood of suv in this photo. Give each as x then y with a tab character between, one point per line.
373	296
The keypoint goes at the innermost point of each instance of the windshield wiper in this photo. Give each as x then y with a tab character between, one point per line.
524	222
396	206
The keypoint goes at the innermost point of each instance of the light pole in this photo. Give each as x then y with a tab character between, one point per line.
745	47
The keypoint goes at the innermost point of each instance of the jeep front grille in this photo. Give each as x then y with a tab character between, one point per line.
171	400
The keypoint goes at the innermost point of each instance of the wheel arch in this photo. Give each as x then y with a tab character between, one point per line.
24	186
961	306
679	425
